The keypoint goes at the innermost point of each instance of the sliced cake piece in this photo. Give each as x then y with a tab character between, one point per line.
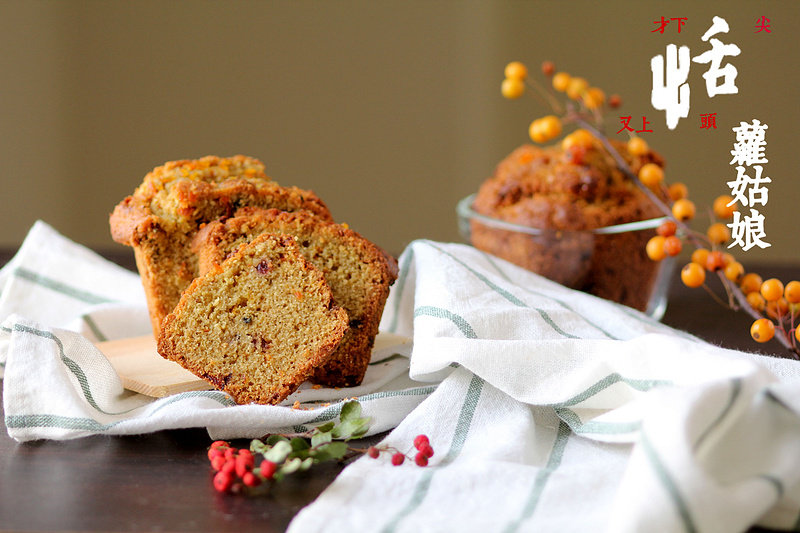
159	219
256	326
358	272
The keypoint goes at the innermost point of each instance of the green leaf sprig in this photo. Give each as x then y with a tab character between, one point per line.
283	455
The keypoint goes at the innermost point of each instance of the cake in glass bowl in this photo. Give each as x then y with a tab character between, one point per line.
569	213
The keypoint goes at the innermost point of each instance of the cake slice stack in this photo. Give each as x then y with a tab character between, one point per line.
251	285
358	273
258	325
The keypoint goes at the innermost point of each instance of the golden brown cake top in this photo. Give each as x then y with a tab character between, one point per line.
208	169
573	189
320	238
179	195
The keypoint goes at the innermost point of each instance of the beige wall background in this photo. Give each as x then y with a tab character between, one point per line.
390	111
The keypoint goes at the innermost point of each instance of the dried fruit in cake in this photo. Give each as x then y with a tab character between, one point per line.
358	272
159	219
258	325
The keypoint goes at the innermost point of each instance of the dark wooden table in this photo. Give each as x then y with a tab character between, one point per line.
162	482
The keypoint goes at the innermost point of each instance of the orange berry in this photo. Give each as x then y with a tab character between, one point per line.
614	101
561	81
667	228
672	245
552	125
756	301
751	282
683	209
792	292
721	207
734	270
576	87
797	334
700	256
693	275
718	233
512	88
579	138
778	308
727	258
535	132
651	175
545	129
762	330
594	98
548	68
715	261
772	289
655	248
677	191
637	146
516	70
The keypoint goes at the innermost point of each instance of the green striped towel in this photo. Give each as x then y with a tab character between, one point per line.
562	412
57	297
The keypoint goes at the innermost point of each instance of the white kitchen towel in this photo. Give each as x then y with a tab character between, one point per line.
562	412
56	297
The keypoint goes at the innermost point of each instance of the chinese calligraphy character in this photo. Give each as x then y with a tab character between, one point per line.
757	193
748	231
663	23
626	124
670	90
714	56
708	121
750	143
762	24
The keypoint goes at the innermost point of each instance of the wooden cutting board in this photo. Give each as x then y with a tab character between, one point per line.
142	370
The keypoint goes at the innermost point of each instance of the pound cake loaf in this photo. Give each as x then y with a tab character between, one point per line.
358	272
160	218
257	325
562	193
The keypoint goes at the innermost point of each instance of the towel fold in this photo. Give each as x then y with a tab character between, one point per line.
562	412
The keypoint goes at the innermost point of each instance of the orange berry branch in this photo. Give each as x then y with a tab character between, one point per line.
775	307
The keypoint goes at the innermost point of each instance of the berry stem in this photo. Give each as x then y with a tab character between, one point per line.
547	97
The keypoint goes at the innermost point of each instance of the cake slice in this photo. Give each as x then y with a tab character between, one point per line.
171	203
358	272
257	325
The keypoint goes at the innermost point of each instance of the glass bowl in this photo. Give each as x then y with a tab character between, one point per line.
609	262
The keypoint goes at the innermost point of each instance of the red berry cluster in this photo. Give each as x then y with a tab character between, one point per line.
235	467
421	443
